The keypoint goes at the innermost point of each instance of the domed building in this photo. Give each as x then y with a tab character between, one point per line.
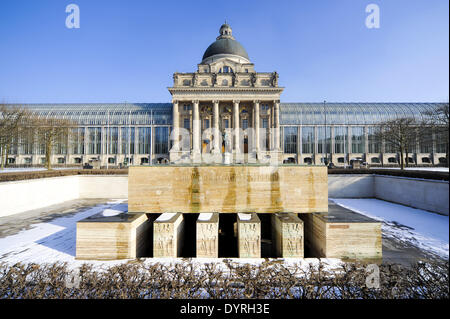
226	112
229	106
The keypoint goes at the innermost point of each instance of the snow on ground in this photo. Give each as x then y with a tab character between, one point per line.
55	241
433	169
31	169
50	242
425	230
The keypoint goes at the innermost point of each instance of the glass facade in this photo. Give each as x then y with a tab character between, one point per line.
358	139
308	139
144	140
290	139
341	139
324	139
126	129
161	140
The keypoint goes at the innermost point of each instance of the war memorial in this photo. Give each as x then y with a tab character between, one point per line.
231	165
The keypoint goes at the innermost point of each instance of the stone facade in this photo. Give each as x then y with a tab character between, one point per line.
225	103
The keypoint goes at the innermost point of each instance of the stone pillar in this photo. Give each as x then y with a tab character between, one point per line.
277	125
176	126
287	235
196	129
236	125
249	235
168	235
208	235
256	126
216	131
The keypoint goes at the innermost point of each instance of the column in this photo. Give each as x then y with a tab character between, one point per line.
207	240
277	125
176	126
256	125
287	235
216	132
249	235
236	125
168	230
196	128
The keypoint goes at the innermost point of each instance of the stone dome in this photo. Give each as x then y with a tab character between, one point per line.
225	44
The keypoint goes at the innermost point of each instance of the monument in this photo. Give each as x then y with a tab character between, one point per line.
226	158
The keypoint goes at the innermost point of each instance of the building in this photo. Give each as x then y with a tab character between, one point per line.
226	112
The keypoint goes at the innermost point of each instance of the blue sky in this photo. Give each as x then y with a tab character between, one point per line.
128	50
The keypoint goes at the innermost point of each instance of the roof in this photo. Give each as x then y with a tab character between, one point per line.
350	113
225	46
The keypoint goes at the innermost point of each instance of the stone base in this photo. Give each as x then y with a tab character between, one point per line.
168	232
207	241
249	235
287	235
344	234
123	236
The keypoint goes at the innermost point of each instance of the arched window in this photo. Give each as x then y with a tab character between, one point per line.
392	160
226	69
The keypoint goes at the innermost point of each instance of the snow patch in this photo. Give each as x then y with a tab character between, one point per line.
245	216
205	216
165	217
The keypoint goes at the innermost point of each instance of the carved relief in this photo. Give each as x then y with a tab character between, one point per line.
207	239
249	240
164	240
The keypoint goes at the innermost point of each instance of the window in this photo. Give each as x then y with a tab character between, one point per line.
357	139
441	141
392	160
290	139
111	160
227	123
244	124
61	160
308	139
341	159
375	160
324	139
425	160
340	139
161	140
113	140
77	140
374	140
27	160
206	124
144	142
127	142
426	141
307	160
442	160
186	107
226	69
94	140
187	123
77	160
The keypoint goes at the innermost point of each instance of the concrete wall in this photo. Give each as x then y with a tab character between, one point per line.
351	186
419	193
106	186
425	194
21	196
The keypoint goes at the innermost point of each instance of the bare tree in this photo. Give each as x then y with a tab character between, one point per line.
401	133
438	119
12	119
50	132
